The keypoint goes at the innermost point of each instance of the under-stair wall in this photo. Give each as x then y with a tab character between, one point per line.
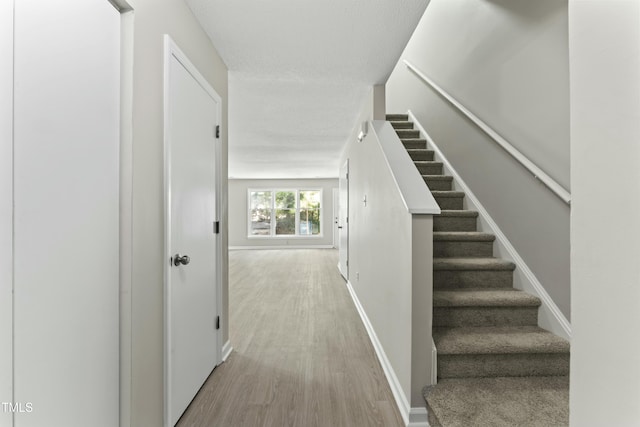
390	260
506	62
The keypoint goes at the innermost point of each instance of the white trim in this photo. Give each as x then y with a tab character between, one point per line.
392	379
538	173
242	248
122	6
126	208
550	317
414	192
226	351
418	417
281	178
412	417
171	49
6	209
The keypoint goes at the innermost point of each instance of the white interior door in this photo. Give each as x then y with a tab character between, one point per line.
6	208
343	221
192	113
66	213
336	217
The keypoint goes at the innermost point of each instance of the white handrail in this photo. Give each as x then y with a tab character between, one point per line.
538	173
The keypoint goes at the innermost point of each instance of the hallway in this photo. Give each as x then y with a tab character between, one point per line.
301	354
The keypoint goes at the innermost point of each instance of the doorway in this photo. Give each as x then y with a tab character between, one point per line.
343	221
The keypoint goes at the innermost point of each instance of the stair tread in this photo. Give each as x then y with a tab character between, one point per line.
471	297
459	213
445	193
522	401
419	150
438	177
462	236
472	264
497	340
413	140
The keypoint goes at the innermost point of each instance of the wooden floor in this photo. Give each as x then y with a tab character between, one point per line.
301	354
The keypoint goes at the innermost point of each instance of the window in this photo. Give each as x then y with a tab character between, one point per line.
285	213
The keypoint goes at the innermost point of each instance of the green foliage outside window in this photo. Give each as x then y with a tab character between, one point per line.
285	212
280	214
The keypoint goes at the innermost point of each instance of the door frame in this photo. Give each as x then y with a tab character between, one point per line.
126	9
6	207
345	225
171	50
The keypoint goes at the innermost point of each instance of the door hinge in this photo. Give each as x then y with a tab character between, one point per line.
217	131
216	227
347	262
218	322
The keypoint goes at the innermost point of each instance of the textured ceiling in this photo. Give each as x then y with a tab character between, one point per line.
299	72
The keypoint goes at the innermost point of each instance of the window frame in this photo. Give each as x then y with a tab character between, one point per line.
273	208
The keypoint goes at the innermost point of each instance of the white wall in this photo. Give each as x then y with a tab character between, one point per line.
380	251
507	62
605	282
6	206
238	208
387	249
66	141
153	19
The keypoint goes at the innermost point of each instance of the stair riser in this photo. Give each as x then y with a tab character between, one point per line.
485	316
463	249
503	365
421	155
438	184
402	125
408	133
397	117
452	279
452	203
417	144
429	168
448	223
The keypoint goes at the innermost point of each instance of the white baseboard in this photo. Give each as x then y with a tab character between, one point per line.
412	417
226	350
418	417
550	317
242	248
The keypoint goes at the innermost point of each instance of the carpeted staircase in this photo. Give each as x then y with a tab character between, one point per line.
496	367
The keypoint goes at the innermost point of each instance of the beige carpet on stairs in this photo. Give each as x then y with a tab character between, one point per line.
497	402
496	366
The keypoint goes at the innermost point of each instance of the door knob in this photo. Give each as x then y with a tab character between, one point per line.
184	260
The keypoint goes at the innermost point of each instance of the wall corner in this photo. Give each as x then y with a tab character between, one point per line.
421	306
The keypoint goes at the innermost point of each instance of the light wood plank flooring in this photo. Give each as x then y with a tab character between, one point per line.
301	354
